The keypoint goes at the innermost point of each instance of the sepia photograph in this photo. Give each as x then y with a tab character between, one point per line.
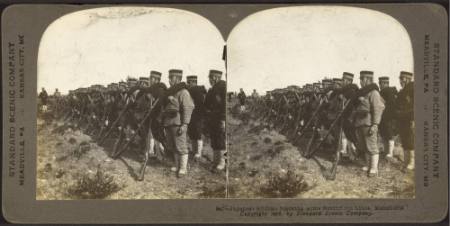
133	107
320	105
220	113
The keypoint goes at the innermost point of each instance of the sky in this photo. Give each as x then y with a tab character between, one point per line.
303	44
104	45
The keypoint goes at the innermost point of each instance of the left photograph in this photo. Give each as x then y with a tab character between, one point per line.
131	105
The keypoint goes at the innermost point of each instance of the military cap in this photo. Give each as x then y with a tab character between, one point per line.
144	79
155	74
131	81
347	75
175	72
383	79
191	78
316	84
124	84
368	74
406	74
215	73
326	81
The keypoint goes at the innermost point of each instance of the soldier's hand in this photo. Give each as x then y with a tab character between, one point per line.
182	129
373	129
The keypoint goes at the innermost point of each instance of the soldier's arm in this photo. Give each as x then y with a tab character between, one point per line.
187	106
376	107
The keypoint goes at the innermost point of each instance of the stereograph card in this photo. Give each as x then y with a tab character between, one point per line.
217	113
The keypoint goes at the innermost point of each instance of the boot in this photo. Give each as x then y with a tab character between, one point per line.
389	148
199	149
343	147
410	162
221	161
374	165
176	166
365	168
151	147
183	165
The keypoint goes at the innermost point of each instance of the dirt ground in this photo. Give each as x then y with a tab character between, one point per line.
262	164
71	165
259	157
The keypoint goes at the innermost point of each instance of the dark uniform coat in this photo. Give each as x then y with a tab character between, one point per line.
405	116
242	97
198	94
349	92
387	125
215	106
43	96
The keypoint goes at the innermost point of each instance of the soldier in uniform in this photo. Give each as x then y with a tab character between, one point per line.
369	108
215	105
43	96
57	99
195	127
241	96
327	85
348	93
405	117
255	94
387	124
156	135
177	110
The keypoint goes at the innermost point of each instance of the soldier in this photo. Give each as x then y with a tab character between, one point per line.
215	105
57	99
177	110
242	97
405	117
348	93
387	124
43	96
327	86
230	96
367	116
255	94
337	83
198	94
156	135
316	87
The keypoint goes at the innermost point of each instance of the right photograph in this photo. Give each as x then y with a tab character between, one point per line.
320	104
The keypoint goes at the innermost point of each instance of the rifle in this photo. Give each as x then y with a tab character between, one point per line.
296	115
284	117
335	122
122	113
118	152
309	121
332	175
280	106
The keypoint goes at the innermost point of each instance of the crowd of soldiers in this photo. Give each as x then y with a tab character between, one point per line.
337	113
145	114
